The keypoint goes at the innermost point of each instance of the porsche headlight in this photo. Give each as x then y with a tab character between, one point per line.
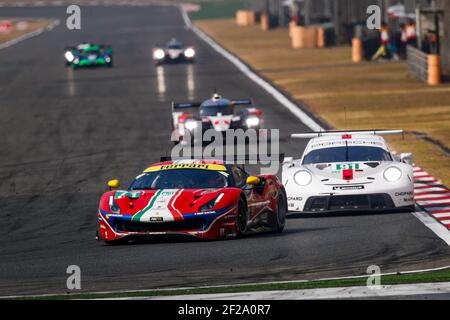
159	54
302	178
210	204
252	121
69	56
190	125
189	53
113	206
107	59
392	174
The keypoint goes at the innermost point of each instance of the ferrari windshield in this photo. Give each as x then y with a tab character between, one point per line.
181	179
343	154
208	111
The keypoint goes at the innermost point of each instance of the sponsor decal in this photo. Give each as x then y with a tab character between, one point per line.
156	219
348	166
129	194
348	187
405	193
295	198
216	167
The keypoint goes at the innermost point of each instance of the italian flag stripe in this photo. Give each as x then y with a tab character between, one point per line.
137	216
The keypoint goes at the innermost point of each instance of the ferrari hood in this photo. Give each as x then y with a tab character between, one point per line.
347	171
162	204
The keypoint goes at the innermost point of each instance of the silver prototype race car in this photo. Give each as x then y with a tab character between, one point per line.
173	51
349	171
217	113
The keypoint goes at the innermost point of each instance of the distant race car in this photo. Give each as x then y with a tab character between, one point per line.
202	198
173	51
216	113
89	55
349	171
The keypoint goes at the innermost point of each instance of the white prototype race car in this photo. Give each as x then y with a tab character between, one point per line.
348	171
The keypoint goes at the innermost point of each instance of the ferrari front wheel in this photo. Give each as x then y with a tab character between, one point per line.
280	216
241	218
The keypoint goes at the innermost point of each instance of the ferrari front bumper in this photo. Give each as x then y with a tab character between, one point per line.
212	225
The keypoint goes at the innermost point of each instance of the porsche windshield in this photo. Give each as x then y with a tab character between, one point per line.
181	179
343	154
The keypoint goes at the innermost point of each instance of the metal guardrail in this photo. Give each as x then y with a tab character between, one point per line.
417	63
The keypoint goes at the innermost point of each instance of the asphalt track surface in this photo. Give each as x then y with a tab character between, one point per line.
64	134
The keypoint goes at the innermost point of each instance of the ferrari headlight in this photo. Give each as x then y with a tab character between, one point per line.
392	174
252	121
69	56
189	53
159	54
302	178
190	125
113	206
211	203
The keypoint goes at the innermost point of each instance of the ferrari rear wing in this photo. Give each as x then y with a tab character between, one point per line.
380	132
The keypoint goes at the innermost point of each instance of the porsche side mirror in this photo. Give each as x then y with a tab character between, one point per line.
252	180
406	158
113	184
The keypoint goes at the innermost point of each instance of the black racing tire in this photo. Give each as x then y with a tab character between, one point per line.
241	218
279	219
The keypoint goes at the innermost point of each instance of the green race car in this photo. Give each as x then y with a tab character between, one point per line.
89	55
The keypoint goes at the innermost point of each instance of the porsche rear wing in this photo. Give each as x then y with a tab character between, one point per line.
380	132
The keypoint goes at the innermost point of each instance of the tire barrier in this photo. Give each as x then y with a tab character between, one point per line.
245	18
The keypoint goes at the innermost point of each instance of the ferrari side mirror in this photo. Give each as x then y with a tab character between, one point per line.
253	180
113	184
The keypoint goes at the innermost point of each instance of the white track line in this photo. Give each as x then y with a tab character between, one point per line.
354	292
300	114
238	285
29	35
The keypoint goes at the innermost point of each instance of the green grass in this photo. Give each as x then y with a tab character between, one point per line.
423	277
217	9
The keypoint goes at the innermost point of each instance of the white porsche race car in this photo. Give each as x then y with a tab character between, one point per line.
348	171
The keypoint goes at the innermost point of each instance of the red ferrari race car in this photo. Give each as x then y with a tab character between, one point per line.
204	198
